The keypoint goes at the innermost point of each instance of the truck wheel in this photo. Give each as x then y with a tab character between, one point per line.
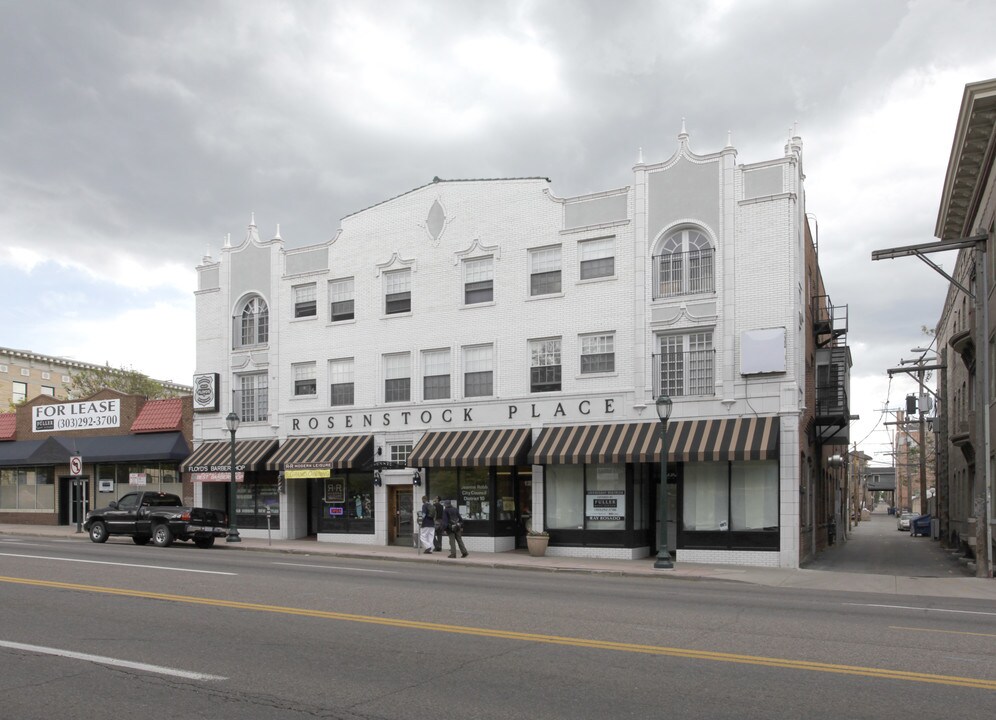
98	532
162	536
204	543
141	539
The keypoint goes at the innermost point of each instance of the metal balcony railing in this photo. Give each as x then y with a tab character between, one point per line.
684	273
682	374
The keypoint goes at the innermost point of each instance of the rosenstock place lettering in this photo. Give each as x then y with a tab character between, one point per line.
464	416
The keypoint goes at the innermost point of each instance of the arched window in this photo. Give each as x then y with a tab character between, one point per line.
686	264
253	323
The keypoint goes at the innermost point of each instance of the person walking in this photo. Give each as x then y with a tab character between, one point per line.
427	527
454	528
437	538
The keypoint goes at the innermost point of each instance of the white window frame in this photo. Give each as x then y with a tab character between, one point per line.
546	261
398	451
16	394
342	291
598	344
687	364
305	379
397	368
397	289
477	361
305	301
252	323
342	374
592	254
436	364
546	360
479	280
256	387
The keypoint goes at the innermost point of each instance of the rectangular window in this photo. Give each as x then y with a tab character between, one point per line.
478	371
305	300
706	496
252	398
686	365
398	378
305	379
341	299
544	271
27	488
598	354
20	391
597	258
754	495
544	365
399	451
341	379
398	292
48	390
479	280
436	375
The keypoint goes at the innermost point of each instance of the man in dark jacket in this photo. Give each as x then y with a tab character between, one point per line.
454	528
427	527
437	540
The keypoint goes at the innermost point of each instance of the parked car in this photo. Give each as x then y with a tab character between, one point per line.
159	517
904	520
920	525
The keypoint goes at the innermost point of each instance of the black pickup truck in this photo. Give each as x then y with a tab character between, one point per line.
159	517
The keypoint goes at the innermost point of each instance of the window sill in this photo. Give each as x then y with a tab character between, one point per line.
304	318
350	321
589	281
585	376
294	398
490	303
388	316
532	298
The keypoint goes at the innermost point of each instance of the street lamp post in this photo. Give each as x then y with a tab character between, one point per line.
663	553
232	421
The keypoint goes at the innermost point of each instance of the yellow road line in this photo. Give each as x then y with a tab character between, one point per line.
947	632
531	637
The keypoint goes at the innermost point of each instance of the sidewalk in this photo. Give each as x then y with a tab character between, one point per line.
962	587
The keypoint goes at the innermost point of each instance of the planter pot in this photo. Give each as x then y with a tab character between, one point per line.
537	544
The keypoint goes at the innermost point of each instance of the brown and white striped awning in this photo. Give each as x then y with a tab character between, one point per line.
217	456
335	452
754	438
471	448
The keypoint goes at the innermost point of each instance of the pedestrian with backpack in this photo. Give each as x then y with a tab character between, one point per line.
453	524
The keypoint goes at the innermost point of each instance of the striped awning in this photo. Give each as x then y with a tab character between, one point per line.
335	452
471	448
754	438
217	456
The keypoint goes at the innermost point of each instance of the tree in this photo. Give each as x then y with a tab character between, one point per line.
91	380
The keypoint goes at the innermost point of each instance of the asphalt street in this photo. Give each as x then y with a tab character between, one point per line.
118	630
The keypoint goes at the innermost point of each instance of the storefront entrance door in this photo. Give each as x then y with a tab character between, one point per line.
400	527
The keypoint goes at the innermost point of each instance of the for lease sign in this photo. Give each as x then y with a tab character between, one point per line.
86	415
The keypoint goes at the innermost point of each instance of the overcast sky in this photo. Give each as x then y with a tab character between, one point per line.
135	135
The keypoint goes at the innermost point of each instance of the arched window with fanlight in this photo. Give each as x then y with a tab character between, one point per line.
252	324
686	264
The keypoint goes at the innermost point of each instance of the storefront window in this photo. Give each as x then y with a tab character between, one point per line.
154	477
605	497
504	494
347	503
754	495
443	482
564	497
706	496
252	498
28	488
474	503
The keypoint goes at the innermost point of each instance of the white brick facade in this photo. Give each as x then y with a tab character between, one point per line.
753	215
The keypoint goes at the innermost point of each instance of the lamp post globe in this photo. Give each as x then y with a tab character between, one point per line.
664	562
232	423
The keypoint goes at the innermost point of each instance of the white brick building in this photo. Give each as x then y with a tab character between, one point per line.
507	346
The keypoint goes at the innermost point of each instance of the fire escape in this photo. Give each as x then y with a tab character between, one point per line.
833	414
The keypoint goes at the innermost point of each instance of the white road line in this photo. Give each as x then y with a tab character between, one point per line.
909	607
336	567
186	674
104	562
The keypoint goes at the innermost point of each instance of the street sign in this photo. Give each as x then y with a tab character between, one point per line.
75	465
